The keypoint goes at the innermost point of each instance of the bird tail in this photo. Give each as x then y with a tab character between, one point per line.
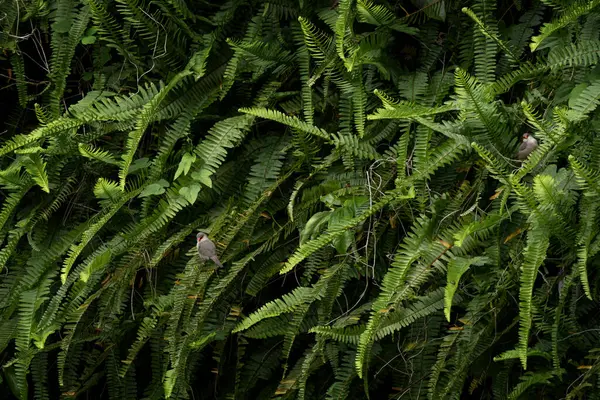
216	261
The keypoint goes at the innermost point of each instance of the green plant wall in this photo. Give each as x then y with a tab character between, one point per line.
355	163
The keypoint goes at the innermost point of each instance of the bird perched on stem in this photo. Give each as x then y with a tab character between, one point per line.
207	249
528	145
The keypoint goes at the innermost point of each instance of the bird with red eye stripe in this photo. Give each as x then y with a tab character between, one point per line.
207	249
528	145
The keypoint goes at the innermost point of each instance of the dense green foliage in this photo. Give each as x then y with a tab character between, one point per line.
355	163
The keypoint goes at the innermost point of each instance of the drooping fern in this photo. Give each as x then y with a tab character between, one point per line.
354	163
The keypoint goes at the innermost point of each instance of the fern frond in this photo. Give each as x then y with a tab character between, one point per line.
318	43
343	27
408	111
303	57
353	145
544	130
528	380
422	307
485	48
527	70
491	34
290	121
456	268
586	102
142	122
110	31
534	255
409	252
50	129
568	16
19	68
89	234
97	154
64	41
588	217
11	202
584	53
310	247
587	178
36	167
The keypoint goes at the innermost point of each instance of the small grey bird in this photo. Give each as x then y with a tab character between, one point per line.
207	249
528	145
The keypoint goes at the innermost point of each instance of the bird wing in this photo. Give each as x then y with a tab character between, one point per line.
216	261
207	247
525	149
200	253
523	145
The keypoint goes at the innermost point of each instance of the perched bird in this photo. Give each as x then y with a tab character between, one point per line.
528	145
206	249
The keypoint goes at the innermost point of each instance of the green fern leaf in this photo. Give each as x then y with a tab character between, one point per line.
287	303
286	120
97	154
535	253
142	123
36	167
456	268
569	16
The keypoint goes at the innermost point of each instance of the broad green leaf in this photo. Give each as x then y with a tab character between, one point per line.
190	193
203	176
88	40
314	226
184	165
155	188
341	243
330	200
90	31
340	217
139	164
